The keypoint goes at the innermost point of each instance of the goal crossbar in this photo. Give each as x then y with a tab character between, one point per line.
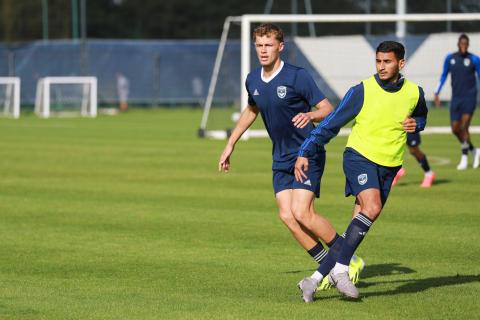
326	18
246	21
42	99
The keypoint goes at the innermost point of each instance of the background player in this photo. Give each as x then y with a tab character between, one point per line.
373	155
462	65
413	143
284	94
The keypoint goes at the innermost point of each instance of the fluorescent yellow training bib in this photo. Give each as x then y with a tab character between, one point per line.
377	132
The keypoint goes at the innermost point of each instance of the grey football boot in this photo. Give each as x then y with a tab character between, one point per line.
344	284
308	286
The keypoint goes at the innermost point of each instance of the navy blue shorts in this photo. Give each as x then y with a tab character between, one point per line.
413	139
285	179
462	105
362	174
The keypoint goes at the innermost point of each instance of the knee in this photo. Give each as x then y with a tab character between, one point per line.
287	218
457	130
301	215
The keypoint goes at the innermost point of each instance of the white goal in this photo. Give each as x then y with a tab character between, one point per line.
326	55
10	96
66	96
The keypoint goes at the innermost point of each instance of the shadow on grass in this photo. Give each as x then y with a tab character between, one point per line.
403	286
299	271
386	269
370	271
407	286
420	285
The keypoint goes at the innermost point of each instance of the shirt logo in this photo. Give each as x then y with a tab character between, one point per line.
466	62
281	91
255	93
452	61
362	179
308	183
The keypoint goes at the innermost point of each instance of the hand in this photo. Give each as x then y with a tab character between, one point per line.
224	162
436	100
301	120
409	124
301	166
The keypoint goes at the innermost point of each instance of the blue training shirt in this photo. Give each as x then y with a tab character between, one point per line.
462	69
289	91
349	108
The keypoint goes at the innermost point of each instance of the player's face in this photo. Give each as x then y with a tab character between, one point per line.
268	50
388	66
463	46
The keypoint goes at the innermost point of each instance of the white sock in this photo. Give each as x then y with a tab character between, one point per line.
339	268
428	173
317	276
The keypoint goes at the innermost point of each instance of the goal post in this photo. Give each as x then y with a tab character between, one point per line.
10	96
246	47
73	95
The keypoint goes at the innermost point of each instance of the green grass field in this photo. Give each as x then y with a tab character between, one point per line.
126	217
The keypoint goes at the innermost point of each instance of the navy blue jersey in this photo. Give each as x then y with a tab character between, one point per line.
288	92
462	69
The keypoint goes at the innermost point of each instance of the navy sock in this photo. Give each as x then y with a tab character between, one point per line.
424	164
470	147
356	231
318	252
465	148
329	262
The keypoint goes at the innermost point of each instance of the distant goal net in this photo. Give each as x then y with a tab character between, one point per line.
335	62
10	96
66	97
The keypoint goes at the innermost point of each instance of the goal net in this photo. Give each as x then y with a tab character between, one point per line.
10	96
335	62
66	96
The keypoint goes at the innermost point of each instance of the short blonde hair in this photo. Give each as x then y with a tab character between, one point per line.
267	29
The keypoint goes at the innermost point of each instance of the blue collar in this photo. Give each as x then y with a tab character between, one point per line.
390	87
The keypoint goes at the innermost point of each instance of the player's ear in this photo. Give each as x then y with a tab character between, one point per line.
281	46
401	64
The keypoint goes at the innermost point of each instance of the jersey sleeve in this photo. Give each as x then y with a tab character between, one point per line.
476	63
420	112
348	109
443	77
251	102
307	88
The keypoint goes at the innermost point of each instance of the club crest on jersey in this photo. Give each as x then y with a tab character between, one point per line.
452	61
362	179
281	91
466	62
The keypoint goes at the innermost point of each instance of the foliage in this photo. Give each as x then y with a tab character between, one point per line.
191	19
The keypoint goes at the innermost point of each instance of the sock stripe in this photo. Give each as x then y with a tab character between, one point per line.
319	257
364	220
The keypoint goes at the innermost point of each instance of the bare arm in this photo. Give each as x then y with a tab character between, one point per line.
323	109
247	117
